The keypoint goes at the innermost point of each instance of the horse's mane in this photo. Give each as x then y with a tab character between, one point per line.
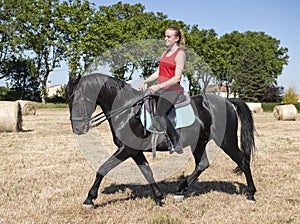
112	86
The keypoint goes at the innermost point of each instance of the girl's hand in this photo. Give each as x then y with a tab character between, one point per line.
154	88
143	86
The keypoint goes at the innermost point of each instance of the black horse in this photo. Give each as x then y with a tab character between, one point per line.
216	119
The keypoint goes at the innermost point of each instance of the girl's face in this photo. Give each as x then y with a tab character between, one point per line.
170	38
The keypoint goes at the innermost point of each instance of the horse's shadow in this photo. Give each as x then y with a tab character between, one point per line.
170	187
27	130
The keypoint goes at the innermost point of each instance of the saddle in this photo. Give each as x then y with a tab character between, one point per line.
181	114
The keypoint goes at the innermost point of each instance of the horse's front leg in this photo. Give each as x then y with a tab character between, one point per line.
118	157
201	163
143	165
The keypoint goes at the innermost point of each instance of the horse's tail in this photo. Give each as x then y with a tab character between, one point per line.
247	129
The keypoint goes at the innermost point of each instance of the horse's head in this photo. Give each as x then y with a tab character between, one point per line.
79	106
83	93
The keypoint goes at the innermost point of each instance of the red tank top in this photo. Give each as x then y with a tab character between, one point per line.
167	66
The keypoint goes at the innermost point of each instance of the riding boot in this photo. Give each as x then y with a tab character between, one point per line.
174	137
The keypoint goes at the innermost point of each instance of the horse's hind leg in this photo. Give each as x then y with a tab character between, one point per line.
201	162
118	157
143	165
243	163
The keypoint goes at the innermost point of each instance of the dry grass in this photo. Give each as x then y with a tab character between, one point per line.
44	179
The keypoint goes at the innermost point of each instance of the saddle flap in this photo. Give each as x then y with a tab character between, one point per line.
183	116
182	101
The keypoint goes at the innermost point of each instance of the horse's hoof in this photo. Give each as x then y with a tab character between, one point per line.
159	203
158	199
178	198
88	206
250	199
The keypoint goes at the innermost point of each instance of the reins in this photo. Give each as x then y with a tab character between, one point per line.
99	118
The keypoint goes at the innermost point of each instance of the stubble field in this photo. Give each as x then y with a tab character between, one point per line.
45	179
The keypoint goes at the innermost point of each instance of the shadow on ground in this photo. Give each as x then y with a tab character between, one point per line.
170	188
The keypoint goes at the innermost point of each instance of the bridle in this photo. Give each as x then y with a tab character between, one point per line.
80	118
101	117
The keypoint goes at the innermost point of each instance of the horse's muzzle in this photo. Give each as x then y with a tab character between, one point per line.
81	131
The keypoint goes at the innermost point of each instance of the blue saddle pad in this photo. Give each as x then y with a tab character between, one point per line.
185	117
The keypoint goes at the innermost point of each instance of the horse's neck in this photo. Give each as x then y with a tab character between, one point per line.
111	95
111	101
108	93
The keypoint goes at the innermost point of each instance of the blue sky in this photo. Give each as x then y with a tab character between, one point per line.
276	18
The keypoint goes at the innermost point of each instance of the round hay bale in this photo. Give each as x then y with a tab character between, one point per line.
285	112
255	107
10	116
258	110
27	107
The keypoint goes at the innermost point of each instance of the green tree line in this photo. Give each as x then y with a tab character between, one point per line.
37	35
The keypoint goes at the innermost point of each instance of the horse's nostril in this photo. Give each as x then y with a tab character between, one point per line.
76	131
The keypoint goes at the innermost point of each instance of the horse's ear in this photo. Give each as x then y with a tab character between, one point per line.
71	86
73	79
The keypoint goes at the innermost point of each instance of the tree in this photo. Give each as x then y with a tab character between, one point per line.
125	52
7	32
3	92
252	61
80	33
36	36
197	72
290	96
225	53
22	83
200	58
272	93
130	58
